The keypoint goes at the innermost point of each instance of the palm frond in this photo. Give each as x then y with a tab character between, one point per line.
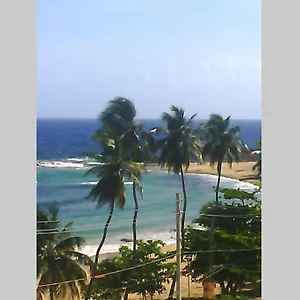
70	243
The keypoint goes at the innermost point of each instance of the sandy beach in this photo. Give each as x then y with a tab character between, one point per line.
240	171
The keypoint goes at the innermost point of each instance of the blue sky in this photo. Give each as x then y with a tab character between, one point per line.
202	55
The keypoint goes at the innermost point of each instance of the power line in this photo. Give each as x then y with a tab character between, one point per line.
80	228
50	221
231	216
221	251
99	276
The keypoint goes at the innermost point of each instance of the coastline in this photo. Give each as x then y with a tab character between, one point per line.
241	171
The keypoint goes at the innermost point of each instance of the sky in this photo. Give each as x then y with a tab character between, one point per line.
201	55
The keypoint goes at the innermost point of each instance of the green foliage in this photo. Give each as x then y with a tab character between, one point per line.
117	115
57	257
180	145
111	171
237	227
221	141
237	194
119	118
148	279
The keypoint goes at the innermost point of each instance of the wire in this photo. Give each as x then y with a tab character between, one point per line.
203	279
82	228
50	221
231	216
221	251
99	276
79	229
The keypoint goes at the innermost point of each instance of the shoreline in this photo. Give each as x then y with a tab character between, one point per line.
112	255
239	170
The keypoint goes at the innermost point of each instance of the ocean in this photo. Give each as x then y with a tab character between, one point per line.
62	180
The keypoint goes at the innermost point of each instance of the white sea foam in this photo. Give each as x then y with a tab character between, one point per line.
89	183
60	164
77	163
114	244
95	182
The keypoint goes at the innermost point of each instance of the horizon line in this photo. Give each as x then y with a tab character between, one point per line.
96	119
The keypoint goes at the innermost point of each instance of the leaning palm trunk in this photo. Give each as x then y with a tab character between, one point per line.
219	169
90	287
184	207
172	288
136	209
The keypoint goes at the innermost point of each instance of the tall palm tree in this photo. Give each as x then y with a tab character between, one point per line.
138	145
178	148
110	189
257	165
58	258
221	142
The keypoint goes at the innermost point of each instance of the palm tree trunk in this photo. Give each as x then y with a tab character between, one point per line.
90	287
136	209
219	169
184	207
172	288
51	293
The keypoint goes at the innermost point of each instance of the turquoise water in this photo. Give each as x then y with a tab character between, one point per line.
68	187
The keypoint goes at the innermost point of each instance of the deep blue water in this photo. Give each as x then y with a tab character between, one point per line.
61	139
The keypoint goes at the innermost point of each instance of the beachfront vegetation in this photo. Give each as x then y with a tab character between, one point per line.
58	259
146	280
221	142
237	243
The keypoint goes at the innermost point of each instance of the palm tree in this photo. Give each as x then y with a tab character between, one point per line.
138	145
118	115
257	166
221	142
58	259
110	188
178	147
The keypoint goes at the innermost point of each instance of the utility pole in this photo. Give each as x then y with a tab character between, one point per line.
178	249
189	278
